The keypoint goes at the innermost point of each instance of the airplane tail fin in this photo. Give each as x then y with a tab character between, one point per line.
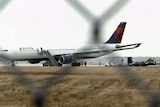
117	35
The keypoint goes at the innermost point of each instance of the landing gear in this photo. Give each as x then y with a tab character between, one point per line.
75	64
45	64
48	63
59	64
12	64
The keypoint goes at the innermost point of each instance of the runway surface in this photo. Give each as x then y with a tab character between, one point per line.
78	86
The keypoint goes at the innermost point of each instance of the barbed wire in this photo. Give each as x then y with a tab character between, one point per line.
39	92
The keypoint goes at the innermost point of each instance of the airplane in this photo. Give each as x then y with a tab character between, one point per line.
58	57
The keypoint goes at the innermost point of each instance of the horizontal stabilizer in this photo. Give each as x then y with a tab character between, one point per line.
125	47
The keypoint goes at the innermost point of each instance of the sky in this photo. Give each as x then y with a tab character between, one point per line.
57	24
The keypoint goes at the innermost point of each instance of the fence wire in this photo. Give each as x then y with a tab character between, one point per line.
39	92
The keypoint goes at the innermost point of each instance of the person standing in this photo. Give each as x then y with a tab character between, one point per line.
85	63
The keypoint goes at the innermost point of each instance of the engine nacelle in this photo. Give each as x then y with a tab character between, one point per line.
66	59
34	61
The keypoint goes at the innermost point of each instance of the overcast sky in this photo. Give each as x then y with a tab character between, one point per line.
56	24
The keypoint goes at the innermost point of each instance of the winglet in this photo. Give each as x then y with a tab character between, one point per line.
117	35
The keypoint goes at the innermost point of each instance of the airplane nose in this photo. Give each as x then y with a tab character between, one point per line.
3	54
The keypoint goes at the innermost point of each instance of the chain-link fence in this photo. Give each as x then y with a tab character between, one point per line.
39	92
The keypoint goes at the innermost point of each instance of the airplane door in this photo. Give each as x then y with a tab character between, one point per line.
40	50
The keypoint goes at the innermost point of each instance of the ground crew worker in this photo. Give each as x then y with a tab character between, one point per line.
85	63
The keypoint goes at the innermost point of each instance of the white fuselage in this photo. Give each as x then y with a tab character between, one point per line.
26	54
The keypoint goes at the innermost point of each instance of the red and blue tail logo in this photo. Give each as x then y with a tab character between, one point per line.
117	35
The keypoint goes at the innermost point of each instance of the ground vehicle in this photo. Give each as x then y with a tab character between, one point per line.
150	61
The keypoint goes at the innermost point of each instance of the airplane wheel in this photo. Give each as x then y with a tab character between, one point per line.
45	64
13	64
59	64
75	64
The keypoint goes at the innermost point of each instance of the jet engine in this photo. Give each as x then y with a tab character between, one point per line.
35	61
66	59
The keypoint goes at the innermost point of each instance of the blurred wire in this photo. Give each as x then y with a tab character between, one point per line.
4	3
81	9
97	22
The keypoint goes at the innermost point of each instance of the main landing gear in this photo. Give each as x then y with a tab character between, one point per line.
48	63
75	64
13	64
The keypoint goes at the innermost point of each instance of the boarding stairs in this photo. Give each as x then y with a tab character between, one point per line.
50	57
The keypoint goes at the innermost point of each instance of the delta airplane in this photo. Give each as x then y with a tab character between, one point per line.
57	57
